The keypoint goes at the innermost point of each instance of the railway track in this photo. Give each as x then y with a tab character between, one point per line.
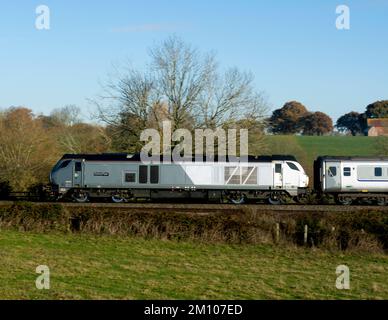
212	208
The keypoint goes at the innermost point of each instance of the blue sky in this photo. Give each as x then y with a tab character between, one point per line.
292	48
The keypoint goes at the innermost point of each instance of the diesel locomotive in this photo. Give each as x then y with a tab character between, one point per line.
123	177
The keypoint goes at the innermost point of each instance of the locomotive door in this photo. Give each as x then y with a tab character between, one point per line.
333	176
278	176
77	174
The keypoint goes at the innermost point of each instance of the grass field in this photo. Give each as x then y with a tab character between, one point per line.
312	146
308	148
89	267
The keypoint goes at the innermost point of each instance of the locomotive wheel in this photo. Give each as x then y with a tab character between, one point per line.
237	198
80	197
274	199
238	201
381	202
345	201
368	202
117	199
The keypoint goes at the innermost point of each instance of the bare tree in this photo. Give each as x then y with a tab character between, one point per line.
186	85
68	115
126	105
229	98
27	150
182	74
83	138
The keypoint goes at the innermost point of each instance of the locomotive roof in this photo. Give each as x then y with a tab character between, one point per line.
136	157
355	158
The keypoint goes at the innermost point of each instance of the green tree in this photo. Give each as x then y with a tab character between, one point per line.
378	109
351	122
317	123
286	120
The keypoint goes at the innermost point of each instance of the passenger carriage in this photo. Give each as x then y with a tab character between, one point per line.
352	178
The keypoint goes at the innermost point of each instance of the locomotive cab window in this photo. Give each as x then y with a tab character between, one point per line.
332	171
292	166
347	172
278	168
378	172
130	177
64	164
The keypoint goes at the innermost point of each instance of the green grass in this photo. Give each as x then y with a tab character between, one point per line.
313	146
338	146
308	148
89	267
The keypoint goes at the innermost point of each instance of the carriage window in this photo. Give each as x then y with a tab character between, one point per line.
143	174
278	168
332	171
347	172
292	166
154	174
378	172
130	177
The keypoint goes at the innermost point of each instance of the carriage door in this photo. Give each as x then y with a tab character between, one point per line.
278	175
77	174
333	176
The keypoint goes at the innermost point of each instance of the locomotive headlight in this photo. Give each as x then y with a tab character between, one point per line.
306	179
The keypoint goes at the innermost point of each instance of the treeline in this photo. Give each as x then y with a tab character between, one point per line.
356	123
294	118
31	144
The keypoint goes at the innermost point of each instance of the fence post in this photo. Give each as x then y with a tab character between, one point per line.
277	233
306	228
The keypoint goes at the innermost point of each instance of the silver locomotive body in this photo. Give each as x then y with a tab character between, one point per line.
123	176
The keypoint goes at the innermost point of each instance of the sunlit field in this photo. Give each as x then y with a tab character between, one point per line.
106	267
